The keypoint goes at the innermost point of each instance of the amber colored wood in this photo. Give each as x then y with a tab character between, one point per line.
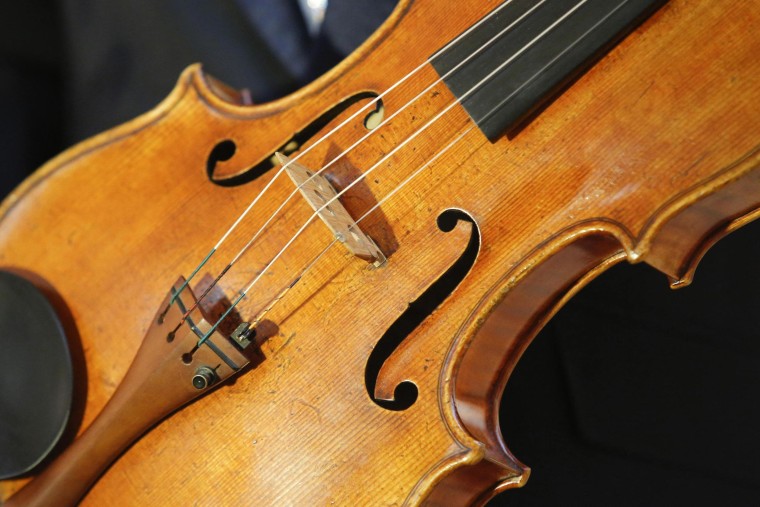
158	381
651	156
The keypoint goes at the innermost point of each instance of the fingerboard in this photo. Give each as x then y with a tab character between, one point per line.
518	57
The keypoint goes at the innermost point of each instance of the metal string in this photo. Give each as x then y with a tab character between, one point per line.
420	169
261	230
328	135
388	155
409	178
527	82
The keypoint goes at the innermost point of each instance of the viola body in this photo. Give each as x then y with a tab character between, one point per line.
650	156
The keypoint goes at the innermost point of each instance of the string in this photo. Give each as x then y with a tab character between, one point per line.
365	136
564	51
314	261
427	164
388	155
415	173
260	231
292	284
319	141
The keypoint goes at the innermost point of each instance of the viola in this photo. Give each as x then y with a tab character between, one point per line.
342	280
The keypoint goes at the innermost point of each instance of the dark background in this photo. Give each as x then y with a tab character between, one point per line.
633	395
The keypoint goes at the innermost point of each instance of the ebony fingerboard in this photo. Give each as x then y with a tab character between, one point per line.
537	48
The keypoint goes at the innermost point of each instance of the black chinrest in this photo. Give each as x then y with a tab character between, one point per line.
36	376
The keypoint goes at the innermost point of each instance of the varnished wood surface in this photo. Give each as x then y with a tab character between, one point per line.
159	381
650	156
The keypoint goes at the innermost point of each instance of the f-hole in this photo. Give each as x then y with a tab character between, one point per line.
406	392
225	149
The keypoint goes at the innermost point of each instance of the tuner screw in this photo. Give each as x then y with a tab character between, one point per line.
204	377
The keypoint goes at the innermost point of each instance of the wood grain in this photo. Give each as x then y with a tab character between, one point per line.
649	157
